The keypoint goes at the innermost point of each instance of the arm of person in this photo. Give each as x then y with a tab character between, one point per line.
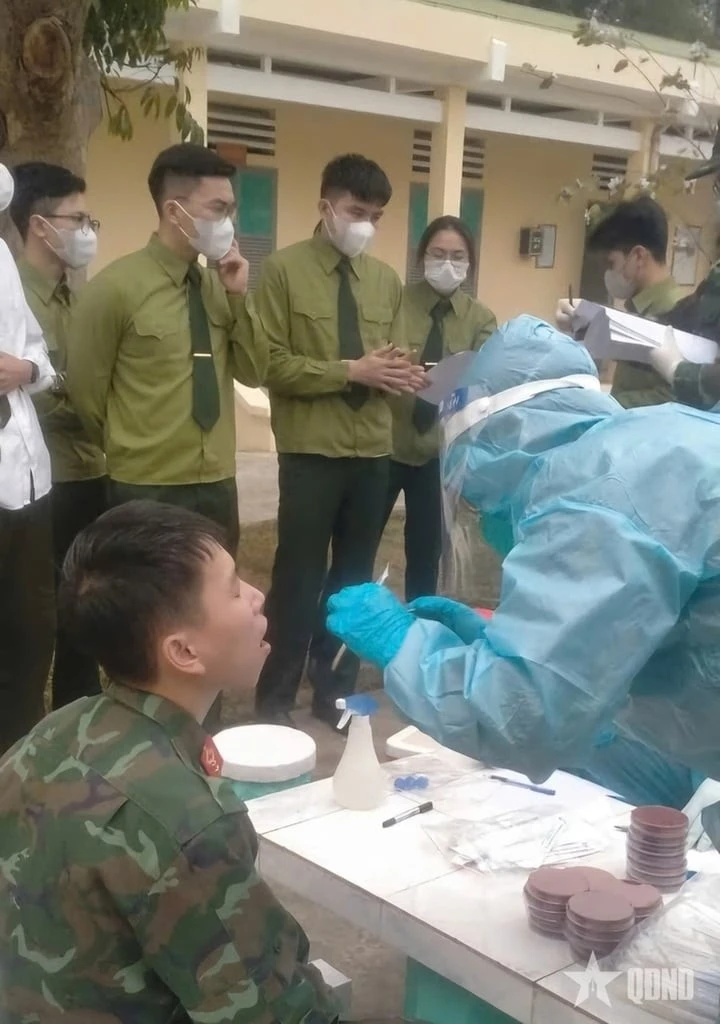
250	349
289	373
586	600
96	330
486	326
214	933
36	352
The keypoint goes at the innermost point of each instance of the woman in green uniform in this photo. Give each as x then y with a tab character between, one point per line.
440	320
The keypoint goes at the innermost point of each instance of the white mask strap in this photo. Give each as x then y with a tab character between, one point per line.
459	415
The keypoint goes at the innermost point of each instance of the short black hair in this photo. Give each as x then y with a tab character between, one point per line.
39	187
633	222
184	164
362	178
447	223
136	570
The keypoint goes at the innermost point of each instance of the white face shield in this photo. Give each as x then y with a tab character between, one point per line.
462	418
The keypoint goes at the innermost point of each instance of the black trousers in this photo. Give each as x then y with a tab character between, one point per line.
75	505
423	524
217	501
27	617
325	504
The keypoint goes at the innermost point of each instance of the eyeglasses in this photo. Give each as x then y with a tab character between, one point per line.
83	220
458	256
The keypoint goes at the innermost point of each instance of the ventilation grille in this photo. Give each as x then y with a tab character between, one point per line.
606	167
473	156
244	126
255	249
422	148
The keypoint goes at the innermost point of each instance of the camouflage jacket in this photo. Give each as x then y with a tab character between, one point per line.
128	888
699	313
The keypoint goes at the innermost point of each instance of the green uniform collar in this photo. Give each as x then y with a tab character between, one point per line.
186	734
37	282
428	298
329	256
175	267
659	298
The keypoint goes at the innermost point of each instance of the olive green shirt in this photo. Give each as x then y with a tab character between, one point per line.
297	304
466	327
130	369
72	453
634	384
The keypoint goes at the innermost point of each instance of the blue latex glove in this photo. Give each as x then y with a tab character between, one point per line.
371	621
463	621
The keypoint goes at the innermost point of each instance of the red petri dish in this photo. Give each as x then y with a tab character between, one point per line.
644	898
556	885
600	908
597	878
656	820
542	907
602	933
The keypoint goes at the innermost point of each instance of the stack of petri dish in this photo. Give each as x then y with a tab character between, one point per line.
646	899
547	892
597	922
656	847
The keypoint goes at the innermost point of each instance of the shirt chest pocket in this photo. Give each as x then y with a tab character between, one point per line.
157	339
314	330
376	323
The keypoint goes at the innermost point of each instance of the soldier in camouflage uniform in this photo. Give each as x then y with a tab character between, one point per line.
128	888
692	383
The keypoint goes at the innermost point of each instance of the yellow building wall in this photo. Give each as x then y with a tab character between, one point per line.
308	138
523	178
117	175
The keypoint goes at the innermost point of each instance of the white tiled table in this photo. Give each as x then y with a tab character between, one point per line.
469	927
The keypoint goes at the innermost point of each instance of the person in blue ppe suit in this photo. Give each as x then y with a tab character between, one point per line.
608	623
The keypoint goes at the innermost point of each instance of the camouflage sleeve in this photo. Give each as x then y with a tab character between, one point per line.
699	313
212	930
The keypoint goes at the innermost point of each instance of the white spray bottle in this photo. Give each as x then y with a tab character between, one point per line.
359	782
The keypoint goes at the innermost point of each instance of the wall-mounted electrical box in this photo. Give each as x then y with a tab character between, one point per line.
531	241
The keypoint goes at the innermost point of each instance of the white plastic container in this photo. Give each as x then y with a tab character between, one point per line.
359	783
263	759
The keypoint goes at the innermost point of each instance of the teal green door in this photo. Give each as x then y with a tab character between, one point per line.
256	195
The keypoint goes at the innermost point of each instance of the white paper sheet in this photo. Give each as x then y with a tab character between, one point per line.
613	334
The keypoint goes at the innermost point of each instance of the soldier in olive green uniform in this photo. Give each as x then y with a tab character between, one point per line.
128	881
692	383
441	320
332	315
59	235
157	340
635	238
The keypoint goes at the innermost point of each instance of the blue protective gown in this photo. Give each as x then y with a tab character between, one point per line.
609	614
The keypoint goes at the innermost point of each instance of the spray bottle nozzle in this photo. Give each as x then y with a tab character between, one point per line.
361	704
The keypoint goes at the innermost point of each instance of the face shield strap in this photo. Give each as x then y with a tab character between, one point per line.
459	414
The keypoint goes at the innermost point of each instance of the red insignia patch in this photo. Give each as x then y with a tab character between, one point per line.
210	758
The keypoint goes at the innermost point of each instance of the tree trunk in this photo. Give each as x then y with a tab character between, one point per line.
49	89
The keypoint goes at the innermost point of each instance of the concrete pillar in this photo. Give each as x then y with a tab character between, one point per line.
446	162
645	161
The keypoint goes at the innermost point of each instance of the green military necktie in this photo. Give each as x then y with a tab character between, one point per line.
349	337
424	414
206	393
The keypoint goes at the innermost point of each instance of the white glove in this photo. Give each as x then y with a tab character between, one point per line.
564	313
707	794
666	359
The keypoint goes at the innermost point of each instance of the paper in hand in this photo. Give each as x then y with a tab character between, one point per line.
613	334
444	377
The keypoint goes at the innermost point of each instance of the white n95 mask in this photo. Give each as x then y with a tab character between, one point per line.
446	276
350	237
77	248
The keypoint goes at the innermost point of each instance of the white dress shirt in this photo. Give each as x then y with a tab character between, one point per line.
24	458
